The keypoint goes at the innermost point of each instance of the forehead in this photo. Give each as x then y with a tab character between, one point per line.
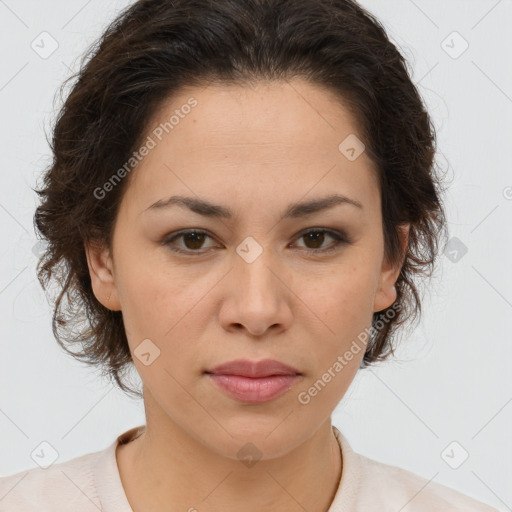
273	113
274	138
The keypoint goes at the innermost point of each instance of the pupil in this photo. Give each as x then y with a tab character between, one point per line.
315	236
196	240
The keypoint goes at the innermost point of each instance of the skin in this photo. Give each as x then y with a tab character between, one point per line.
274	144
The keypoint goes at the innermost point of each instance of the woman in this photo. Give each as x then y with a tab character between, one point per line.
241	194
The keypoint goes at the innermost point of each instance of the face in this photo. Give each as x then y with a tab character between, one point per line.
200	286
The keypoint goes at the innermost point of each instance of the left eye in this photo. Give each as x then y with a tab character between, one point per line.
193	240
317	236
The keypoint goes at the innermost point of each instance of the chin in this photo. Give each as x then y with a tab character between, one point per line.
265	440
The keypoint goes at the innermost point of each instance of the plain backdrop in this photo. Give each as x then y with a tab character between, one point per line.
445	397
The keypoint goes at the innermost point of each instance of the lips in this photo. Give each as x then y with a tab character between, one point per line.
254	369
254	381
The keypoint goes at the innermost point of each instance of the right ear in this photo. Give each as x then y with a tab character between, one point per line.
101	270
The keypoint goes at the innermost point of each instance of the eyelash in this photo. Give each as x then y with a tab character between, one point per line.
340	239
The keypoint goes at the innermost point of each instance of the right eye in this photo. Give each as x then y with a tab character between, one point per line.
192	238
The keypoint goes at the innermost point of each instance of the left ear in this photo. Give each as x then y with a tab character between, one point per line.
386	292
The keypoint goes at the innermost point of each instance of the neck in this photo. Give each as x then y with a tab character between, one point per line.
166	465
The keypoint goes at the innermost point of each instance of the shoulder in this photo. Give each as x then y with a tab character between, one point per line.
367	484
399	487
69	483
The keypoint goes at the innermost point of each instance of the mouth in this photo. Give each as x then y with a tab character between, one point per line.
254	369
254	390
254	381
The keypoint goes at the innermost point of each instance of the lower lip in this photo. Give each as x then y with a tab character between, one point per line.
254	390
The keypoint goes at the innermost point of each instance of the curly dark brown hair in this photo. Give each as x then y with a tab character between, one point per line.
155	47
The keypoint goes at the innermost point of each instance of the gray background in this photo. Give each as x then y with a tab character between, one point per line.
451	379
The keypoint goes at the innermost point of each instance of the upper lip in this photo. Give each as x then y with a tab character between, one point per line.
247	368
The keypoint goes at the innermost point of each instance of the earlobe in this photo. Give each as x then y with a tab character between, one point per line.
386	293
101	271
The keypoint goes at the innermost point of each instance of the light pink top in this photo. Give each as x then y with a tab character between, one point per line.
91	483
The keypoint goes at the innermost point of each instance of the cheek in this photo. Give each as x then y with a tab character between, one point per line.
156	290
345	310
164	308
162	331
343	299
344	304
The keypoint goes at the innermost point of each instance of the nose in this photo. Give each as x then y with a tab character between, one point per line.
257	297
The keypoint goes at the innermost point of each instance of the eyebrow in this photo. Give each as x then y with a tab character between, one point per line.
293	211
